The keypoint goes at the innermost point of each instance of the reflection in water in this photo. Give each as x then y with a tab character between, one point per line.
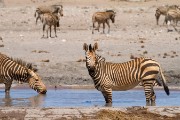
37	101
7	100
34	101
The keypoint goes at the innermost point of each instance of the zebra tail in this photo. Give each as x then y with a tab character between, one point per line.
166	89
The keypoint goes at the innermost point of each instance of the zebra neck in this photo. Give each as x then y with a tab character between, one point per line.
96	71
100	59
20	74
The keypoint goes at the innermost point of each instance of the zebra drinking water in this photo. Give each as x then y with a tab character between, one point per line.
109	76
11	69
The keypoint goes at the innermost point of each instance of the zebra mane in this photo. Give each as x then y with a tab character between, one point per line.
100	59
23	63
110	11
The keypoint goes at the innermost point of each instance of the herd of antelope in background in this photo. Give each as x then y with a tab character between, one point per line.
50	16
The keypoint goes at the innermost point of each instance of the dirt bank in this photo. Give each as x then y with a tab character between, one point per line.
95	113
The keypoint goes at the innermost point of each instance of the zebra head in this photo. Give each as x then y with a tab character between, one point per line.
61	10
112	15
36	83
90	54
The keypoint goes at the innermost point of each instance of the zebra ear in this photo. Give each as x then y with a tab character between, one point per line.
35	69
85	47
95	47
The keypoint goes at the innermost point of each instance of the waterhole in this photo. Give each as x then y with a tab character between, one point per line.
83	98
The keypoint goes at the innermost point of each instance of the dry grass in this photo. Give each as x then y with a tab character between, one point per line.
131	114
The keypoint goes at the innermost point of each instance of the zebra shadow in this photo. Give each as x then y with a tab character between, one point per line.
34	101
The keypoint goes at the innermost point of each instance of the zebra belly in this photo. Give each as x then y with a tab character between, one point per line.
124	87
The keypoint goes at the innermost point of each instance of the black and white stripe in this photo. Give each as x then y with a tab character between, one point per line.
16	69
109	76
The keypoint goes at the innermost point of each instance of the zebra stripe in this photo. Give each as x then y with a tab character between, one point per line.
123	76
16	69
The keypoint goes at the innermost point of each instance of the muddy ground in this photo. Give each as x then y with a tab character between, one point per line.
59	60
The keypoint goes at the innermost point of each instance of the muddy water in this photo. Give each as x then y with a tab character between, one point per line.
82	97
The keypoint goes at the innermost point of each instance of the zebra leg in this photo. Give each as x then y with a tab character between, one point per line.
37	19
55	31
157	18
168	25
147	98
176	22
108	26
103	27
50	30
43	29
8	86
108	97
165	21
93	28
149	93
175	28
98	27
153	98
47	32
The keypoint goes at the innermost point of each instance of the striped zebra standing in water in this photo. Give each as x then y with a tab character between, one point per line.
122	76
11	69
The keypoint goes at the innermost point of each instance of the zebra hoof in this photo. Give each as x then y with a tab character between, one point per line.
108	105
148	104
153	103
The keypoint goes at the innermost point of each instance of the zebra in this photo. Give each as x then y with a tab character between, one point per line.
16	69
48	9
108	77
103	17
162	10
50	20
172	15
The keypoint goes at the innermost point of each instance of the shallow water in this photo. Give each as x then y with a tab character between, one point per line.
83	97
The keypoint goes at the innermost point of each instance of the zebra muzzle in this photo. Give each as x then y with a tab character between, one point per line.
43	92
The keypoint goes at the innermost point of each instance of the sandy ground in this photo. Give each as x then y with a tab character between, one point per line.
134	33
